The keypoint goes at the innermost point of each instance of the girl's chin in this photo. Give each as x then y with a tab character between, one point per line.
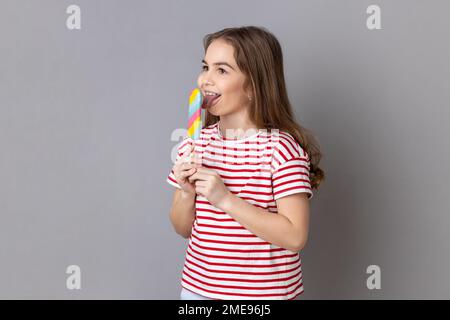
214	109
214	112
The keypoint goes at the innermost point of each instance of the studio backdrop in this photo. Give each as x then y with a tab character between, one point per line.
93	95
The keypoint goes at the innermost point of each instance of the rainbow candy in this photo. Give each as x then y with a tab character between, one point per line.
195	114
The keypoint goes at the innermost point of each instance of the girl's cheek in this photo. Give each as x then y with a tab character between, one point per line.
200	80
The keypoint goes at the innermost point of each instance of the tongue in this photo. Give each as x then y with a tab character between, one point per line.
208	100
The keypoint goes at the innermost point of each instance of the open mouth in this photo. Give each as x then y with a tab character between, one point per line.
210	100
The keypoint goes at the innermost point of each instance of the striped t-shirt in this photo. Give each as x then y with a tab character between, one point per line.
223	259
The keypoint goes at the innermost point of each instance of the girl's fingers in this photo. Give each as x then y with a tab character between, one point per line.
186	173
182	167
201	183
196	158
186	158
184	170
200	190
187	166
189	150
199	176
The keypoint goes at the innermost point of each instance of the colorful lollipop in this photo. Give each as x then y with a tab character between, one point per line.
195	114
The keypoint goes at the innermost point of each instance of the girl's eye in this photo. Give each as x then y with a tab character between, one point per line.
221	69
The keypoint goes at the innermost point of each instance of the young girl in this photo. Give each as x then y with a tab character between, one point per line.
244	203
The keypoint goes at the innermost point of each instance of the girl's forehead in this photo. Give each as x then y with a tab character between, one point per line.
220	51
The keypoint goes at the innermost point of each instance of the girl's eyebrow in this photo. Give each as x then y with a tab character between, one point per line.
219	63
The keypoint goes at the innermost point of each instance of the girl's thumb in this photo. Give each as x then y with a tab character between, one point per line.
190	150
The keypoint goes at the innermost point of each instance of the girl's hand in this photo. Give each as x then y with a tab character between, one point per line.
209	184
184	167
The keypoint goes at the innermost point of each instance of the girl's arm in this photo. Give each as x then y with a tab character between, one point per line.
182	213
287	229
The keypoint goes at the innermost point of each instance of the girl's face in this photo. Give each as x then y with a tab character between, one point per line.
220	74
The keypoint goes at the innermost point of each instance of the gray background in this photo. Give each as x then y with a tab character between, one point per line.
86	118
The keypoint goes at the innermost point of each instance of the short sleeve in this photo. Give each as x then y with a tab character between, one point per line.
290	169
182	148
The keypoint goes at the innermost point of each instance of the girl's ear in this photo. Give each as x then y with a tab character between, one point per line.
248	93
249	89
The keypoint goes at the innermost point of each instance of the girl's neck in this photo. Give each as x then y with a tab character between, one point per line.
238	128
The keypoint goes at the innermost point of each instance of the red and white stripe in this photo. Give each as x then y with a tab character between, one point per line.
223	259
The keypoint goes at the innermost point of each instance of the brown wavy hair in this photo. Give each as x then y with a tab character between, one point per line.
259	56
